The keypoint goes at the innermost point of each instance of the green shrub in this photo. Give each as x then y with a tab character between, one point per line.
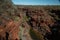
35	36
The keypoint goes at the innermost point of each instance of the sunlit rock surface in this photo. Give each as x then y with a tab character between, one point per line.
9	29
18	22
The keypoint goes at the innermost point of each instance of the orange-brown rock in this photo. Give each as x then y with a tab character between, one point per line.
9	29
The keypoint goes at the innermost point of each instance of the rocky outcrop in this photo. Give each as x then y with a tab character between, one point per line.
38	23
9	26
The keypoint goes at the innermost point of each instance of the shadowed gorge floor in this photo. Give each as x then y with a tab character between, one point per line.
22	22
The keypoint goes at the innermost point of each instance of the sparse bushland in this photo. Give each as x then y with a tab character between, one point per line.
45	19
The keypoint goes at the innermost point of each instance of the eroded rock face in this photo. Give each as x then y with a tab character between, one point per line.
8	27
42	21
